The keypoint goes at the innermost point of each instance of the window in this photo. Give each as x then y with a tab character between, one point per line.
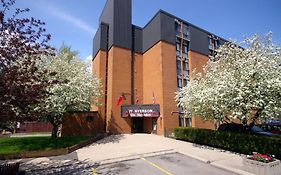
184	56
185	82
185	65
185	69
185	74
179	71
188	121
185	31
179	82
178	46
218	44
185	46
178	64
178	29
184	121
211	43
214	42
181	121
184	49
178	53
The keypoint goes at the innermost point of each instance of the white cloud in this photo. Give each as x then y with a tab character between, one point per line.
89	57
88	61
69	18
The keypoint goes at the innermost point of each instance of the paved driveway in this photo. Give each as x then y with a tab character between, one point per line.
168	164
120	148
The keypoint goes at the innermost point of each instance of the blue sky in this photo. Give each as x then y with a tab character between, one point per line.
75	22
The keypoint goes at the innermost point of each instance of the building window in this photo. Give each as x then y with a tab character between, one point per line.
179	82
184	56
214	43
185	31
178	53
185	74
178	46
183	120
178	64
188	122
178	71
185	81
211	44
178	29
179	89
218	44
185	65
184	49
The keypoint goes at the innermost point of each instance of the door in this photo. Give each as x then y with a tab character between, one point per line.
137	125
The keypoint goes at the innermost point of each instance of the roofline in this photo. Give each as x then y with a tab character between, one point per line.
103	10
184	21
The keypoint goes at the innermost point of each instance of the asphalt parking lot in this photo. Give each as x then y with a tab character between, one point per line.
168	164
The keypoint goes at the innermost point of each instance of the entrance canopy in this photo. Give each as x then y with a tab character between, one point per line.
150	110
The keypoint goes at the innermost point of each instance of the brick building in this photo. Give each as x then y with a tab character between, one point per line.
142	67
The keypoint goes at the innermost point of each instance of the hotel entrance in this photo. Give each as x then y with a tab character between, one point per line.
143	117
137	125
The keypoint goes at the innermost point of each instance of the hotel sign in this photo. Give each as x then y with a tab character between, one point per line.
152	110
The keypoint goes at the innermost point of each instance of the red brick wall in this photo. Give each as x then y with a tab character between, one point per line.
196	62
159	77
27	127
98	66
82	124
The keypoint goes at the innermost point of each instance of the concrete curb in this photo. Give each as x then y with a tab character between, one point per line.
194	157
134	157
235	170
218	165
171	151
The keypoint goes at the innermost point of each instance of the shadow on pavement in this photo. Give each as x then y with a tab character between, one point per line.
58	165
110	139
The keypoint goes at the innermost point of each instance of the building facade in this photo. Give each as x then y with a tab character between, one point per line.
141	68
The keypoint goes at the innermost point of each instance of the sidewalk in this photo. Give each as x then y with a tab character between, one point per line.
122	147
126	147
37	134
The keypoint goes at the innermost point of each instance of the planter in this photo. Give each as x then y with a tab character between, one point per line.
261	168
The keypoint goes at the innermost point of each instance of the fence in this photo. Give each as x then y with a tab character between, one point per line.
82	124
27	127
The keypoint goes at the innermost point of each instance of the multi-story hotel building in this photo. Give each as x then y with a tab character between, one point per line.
141	68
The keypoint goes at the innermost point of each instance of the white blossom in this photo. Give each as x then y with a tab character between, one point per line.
243	83
76	89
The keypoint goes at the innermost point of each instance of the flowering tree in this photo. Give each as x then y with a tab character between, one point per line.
237	83
22	42
75	88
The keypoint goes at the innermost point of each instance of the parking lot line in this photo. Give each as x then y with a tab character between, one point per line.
157	166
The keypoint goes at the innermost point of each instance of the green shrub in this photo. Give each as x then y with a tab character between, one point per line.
237	142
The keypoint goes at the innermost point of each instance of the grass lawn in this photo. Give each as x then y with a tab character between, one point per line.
20	144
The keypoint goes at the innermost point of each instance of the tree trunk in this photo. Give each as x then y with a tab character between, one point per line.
56	131
257	116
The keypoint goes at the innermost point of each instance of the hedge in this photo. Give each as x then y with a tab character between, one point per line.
236	142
